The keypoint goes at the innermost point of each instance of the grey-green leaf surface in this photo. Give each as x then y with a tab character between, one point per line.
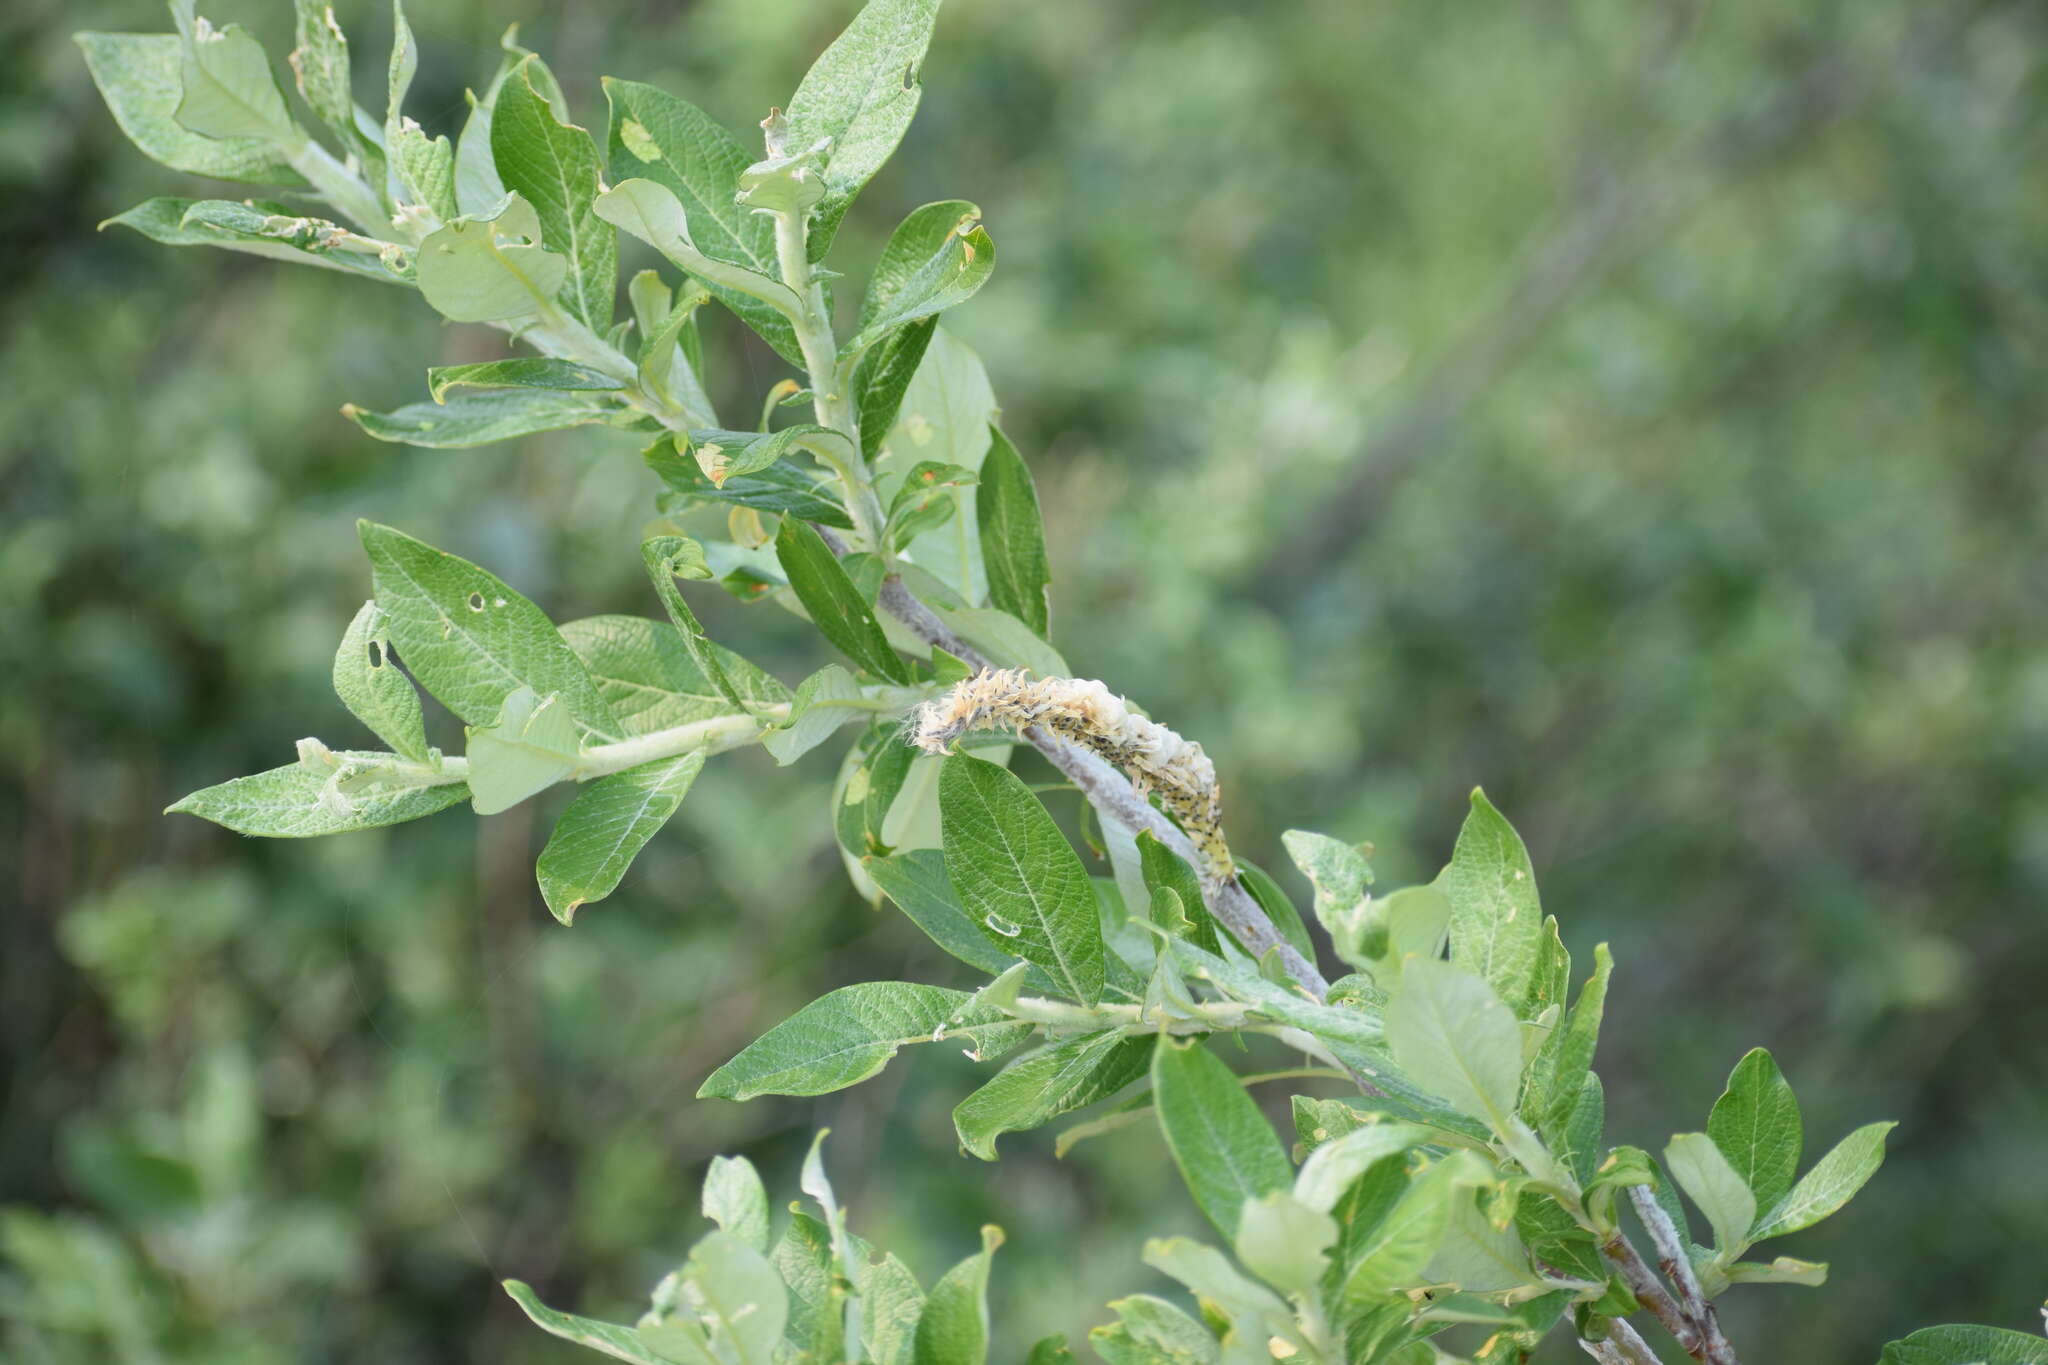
620	1343
320	61
1831	1183
268	230
1222	1143
1044	1084
953	1329
1451	1034
137	75
845	1037
1756	1125
554	166
1017	876
480	419
860	94
1013	536
532	745
1700	1169
606	826
656	136
1496	919
836	607
520	372
782	489
826	700
647	677
916	881
735	454
891	1305
665	558
736	1304
470	640
735	1199
945	415
651	211
373	688
491	266
227	89
883	377
936	259
1283	1241
294	802
1958	1344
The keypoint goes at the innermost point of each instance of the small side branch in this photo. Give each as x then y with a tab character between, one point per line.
1651	1294
1673	1259
1623	1346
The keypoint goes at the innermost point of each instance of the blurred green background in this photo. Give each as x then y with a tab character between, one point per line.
1635	407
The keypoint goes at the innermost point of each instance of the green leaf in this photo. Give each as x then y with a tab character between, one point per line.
1050	1350
1278	907
1353	1147
553	165
477	186
917	883
1716	1187
620	1343
782	489
1450	1032
667	558
270	230
726	1304
860	94
1340	875
883	377
295	802
605	828
722	455
320	62
1152	1331
1756	1125
1966	1345
531	746
1389	1251
671	359
1164	870
519	372
1006	641
137	75
1496	919
1477	1256
822	705
1017	875
845	1037
481	419
1043	1084
1783	1270
423	167
1254	1312
1831	1183
938	257
817	1288
1225	1148
735	1199
671	142
1285	1242
646	675
228	90
652	212
470	640
946	416
1013	536
891	1305
1568	1057
953	1329
374	690
491	266
835	605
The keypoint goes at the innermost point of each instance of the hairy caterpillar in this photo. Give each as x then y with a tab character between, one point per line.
1088	713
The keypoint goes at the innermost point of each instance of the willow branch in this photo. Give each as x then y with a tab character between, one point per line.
1673	1259
1651	1294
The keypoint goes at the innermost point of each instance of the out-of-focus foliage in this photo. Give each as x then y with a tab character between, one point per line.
1635	408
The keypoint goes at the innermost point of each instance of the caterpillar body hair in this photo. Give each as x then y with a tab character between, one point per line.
1086	712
